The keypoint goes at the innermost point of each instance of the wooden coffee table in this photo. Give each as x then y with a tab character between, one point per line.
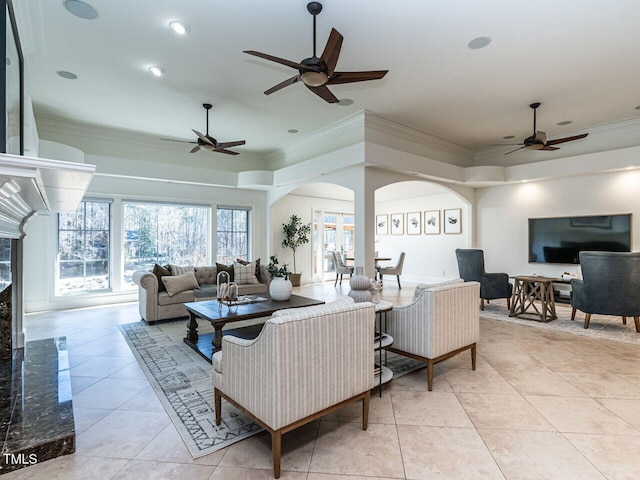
210	310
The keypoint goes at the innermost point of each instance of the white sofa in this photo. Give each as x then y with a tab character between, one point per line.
441	321
154	305
305	363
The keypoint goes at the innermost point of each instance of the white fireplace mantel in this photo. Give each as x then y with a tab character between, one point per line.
34	186
31	186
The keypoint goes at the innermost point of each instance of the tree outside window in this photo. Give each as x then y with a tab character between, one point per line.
233	234
163	234
83	248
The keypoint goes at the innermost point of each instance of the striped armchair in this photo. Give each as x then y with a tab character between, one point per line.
441	321
305	363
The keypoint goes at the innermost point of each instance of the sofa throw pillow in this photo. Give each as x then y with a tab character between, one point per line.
257	262
220	267
178	270
159	271
180	283
245	274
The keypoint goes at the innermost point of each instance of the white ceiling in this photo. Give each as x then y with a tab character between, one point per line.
579	58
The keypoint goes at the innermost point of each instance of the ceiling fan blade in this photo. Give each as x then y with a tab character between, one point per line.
548	148
349	77
282	61
566	139
203	138
281	85
228	152
173	140
332	51
230	144
504	144
195	149
512	151
324	93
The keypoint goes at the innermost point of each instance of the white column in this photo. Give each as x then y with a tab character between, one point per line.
364	209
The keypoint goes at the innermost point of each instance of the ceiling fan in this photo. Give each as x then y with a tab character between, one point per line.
208	142
538	141
316	73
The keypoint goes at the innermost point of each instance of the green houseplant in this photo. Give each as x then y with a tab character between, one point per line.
295	234
280	286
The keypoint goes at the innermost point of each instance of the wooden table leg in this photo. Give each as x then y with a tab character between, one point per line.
216	341
192	328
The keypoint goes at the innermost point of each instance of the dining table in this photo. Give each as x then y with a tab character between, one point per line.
377	259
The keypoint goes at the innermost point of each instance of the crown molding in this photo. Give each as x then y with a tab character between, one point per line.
389	133
348	131
57	127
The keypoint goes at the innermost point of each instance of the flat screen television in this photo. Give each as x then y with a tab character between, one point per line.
561	239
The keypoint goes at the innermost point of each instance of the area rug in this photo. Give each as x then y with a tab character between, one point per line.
601	326
182	380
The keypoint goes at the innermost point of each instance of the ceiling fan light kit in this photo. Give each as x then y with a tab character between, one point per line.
538	140
316	73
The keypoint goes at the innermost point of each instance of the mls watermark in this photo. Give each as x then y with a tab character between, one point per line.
20	459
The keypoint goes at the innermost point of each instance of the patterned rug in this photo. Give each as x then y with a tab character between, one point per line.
601	326
182	380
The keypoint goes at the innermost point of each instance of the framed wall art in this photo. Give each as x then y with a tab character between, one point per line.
382	226
432	222
397	224
453	220
414	223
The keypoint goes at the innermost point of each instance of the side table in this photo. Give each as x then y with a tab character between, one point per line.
381	342
527	290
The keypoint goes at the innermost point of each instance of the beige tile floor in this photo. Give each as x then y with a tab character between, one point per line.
539	406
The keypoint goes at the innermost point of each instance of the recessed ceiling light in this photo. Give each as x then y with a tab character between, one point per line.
345	102
80	9
478	43
67	75
179	27
565	122
157	71
293	130
508	137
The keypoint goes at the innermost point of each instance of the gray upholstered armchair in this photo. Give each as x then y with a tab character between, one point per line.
492	285
305	363
609	286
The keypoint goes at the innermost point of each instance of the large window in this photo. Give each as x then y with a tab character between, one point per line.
233	234
5	263
160	233
83	248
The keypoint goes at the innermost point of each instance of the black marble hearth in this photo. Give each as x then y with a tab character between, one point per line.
5	324
36	412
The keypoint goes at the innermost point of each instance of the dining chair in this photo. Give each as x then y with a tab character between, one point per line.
396	270
341	268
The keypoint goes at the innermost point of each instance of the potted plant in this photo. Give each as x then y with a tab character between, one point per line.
280	286
295	235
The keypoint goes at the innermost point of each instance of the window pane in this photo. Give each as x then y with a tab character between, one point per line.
233	235
163	234
5	263
83	248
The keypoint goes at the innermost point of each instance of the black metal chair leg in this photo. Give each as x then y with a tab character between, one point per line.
399	286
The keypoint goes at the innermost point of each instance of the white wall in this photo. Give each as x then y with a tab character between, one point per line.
502	215
40	243
427	256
